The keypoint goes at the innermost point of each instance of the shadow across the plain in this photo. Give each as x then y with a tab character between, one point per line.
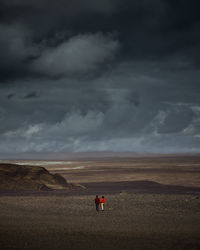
92	188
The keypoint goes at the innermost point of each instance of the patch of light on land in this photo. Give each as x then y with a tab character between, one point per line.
40	163
78	167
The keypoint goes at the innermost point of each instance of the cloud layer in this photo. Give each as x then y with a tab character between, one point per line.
82	54
99	76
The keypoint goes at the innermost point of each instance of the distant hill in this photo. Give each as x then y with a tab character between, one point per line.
16	177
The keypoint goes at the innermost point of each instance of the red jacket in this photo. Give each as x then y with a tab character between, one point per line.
97	200
103	200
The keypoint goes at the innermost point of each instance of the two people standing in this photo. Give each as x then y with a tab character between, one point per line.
98	202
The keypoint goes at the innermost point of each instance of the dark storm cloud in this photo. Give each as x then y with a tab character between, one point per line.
29	26
148	31
32	94
15	48
45	17
81	54
99	75
9	96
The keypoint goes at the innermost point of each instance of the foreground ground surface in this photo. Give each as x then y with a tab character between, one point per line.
141	212
130	221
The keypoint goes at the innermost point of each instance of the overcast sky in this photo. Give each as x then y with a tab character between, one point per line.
99	75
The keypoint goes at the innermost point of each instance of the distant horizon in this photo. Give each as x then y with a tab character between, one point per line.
92	154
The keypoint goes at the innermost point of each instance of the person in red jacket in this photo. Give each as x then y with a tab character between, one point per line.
97	201
103	202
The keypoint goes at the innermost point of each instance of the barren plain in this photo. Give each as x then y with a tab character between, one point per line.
152	203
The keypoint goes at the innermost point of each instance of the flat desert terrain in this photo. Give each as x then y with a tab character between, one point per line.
152	203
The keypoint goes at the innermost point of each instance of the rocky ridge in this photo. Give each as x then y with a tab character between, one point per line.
17	177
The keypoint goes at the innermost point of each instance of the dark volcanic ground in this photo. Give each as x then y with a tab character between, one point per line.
92	188
151	204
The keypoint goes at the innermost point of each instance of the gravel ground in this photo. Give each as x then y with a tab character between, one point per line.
130	221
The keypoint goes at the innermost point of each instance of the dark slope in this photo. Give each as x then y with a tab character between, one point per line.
17	177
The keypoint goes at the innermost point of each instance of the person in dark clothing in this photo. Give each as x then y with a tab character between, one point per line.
97	202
